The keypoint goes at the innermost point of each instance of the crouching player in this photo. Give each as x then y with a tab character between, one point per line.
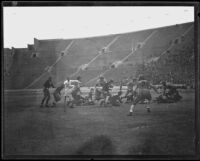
116	99
143	92
170	94
89	100
57	94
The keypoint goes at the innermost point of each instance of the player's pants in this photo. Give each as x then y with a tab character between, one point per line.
106	96
46	96
142	94
68	95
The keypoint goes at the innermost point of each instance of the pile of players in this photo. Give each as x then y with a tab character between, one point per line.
138	91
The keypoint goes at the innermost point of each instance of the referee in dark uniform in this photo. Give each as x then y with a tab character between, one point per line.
46	92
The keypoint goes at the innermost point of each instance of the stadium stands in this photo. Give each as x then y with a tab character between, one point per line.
176	65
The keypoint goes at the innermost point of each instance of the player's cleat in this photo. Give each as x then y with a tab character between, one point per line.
46	105
130	114
41	105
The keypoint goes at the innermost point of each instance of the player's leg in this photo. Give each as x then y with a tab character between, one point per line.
44	97
148	97
54	102
135	101
65	97
131	96
71	101
41	105
108	95
127	92
48	98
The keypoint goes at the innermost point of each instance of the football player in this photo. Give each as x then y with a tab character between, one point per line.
143	92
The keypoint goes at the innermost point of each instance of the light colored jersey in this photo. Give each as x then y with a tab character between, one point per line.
72	82
134	87
69	89
101	82
144	86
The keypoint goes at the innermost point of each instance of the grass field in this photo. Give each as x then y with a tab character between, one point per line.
93	130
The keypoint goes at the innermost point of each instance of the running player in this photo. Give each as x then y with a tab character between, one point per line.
143	92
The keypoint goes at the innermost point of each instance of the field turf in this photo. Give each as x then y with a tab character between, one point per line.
93	130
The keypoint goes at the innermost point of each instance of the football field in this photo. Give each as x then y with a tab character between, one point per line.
92	130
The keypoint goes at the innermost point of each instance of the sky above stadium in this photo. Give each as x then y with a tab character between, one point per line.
22	24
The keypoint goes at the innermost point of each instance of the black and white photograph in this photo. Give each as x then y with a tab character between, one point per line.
90	80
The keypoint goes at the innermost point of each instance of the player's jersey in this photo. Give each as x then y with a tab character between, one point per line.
72	82
101	82
143	84
130	85
48	84
169	89
98	94
106	87
143	89
76	91
69	89
58	89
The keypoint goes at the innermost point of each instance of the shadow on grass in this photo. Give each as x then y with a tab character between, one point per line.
98	145
148	147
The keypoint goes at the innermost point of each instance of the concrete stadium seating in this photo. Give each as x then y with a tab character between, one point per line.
24	68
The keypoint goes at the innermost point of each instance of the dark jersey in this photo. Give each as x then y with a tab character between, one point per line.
101	83
48	84
58	89
107	87
169	89
115	99
143	84
130	85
